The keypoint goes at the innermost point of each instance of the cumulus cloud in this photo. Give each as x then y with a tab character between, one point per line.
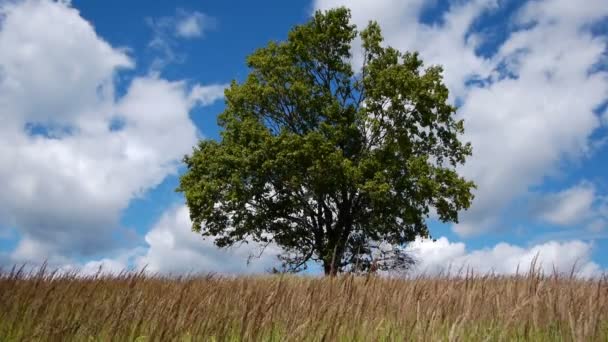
568	207
174	248
443	256
527	103
72	152
206	95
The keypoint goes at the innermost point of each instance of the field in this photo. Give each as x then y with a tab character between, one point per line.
131	306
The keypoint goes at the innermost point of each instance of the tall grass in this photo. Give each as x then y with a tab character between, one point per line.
132	306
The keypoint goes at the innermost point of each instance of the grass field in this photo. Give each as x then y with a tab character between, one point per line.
45	306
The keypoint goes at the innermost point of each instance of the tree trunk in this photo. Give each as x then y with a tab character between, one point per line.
329	269
331	265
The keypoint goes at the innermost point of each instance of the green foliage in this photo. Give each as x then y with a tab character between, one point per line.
330	164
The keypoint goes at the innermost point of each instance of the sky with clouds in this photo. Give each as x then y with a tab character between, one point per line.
99	102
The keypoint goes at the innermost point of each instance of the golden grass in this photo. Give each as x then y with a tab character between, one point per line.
132	306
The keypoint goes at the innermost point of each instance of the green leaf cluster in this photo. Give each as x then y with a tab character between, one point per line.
328	163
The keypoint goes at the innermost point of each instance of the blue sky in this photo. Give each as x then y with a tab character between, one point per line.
100	101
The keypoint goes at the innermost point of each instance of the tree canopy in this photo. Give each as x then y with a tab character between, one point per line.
332	165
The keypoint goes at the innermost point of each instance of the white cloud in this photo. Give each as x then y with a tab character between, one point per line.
184	24
174	248
37	70
570	206
72	153
192	24
122	262
443	256
540	87
167	30
206	95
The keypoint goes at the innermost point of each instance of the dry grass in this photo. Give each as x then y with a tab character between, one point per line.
130	306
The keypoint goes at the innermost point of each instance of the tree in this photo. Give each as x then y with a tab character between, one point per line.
333	166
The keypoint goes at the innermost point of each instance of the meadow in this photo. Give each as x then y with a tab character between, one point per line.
53	306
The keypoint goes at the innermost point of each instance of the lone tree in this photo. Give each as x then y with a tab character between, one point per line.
333	166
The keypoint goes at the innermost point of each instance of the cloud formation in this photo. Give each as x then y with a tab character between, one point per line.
73	152
578	204
166	31
443	257
193	24
174	248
